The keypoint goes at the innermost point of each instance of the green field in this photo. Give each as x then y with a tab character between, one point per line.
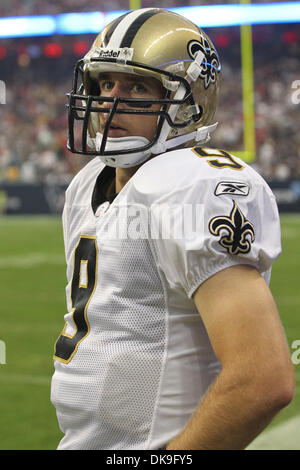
32	280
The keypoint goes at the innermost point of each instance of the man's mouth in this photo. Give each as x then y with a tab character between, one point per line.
115	130
116	126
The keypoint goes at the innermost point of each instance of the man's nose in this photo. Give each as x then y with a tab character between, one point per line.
118	91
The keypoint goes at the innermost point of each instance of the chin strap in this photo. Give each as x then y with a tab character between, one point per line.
200	135
116	144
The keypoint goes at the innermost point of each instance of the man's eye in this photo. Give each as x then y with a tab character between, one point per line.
106	86
139	88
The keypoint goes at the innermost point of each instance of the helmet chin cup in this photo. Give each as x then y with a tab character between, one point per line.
115	144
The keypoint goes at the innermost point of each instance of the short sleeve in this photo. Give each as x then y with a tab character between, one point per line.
215	224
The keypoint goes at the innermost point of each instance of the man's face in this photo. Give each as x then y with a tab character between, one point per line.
115	84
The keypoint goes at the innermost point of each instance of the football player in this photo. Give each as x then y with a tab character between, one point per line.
171	338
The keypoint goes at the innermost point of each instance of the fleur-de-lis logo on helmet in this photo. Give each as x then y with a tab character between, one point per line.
210	64
237	228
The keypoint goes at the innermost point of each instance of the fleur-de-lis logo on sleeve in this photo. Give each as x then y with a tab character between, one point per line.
239	231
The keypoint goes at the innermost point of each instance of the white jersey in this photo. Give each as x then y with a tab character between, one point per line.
134	358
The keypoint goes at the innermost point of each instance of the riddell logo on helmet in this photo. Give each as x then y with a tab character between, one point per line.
109	53
124	53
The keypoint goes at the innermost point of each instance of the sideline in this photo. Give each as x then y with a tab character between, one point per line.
284	436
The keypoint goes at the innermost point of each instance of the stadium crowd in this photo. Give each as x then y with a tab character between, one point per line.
33	125
55	7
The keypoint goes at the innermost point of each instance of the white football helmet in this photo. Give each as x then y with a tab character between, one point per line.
156	43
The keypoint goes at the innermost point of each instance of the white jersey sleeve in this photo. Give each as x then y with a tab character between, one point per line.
223	214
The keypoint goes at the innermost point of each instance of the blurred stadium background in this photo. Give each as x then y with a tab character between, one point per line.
35	167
